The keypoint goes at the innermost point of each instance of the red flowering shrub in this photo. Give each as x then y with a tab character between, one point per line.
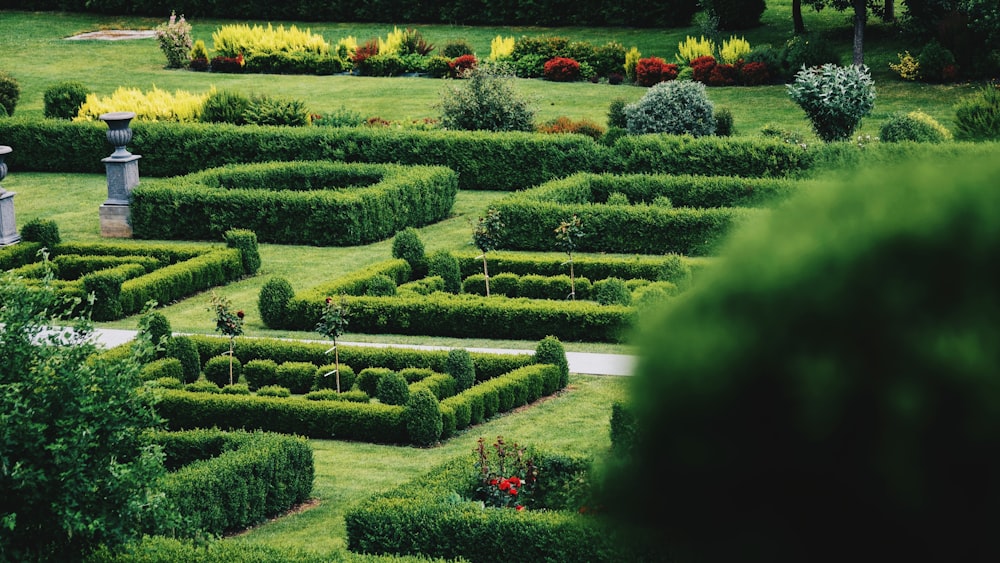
563	124
506	476
367	49
723	75
654	70
561	69
228	64
701	68
463	64
754	74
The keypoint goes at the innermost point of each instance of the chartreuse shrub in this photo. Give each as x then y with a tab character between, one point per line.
412	518
227	481
318	203
914	126
877	377
835	98
155	105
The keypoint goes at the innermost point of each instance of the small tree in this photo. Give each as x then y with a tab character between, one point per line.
487	101
228	323
175	41
835	98
567	234
486	236
332	325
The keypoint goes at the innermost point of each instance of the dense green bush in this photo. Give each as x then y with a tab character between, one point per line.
236	389
408	246
245	241
225	106
550	351
392	389
487	101
161	549
461	367
443	264
369	377
166	367
914	126
423	418
184	350
806	50
294	203
202	386
883	422
380	286
612	291
276	110
63	100
220	371
623	429
158	327
10	92
977	117
835	98
677	107
326	378
42	231
298	377
276	391
272	301
260	373
708	156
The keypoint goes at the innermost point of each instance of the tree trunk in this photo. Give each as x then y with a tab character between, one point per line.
798	24
860	15
336	362
572	279
486	274
889	11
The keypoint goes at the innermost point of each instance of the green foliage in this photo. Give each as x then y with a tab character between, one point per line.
217	370
63	100
724	122
392	389
260	373
736	14
616	113
160	549
204	386
423	419
456	48
675	107
937	64
443	264
274	110
617	198
369	377
834	98
811	320
914	126
166	383
486	101
157	327
272	302
623	429
42	231
977	117
326	379
276	391
294	203
408	246
75	470
612	291
183	349
487	234
175	41
236	389
297	377
245	241
461	367
807	51
10	92
225	106
163	369
550	351
676	271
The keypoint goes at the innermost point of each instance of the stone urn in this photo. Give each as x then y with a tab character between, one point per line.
8	229
4	151
119	133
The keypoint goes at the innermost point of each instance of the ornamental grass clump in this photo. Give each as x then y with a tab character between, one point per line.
835	98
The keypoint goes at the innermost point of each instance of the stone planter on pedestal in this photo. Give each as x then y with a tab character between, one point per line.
123	174
8	227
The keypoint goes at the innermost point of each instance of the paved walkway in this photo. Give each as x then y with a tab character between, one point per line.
579	362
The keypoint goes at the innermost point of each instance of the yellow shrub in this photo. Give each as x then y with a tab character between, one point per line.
392	43
922	117
346	47
908	67
692	48
632	57
501	47
734	49
155	105
232	40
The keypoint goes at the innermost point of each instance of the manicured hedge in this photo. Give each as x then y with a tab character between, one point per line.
412	519
17	255
709	156
594	268
487	366
126	284
228	481
317	203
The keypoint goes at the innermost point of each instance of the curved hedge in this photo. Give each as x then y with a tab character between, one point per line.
317	203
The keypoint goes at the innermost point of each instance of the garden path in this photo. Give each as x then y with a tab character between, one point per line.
579	362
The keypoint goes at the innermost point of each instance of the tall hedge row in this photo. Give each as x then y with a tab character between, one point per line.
483	160
632	13
316	203
635	267
243	478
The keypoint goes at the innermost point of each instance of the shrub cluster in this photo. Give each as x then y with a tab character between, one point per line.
834	98
914	126
10	93
227	481
318	203
678	107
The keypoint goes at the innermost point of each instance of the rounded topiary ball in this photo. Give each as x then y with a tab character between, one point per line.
550	351
408	246
612	291
833	386
460	366
423	417
392	389
217	370
63	100
442	263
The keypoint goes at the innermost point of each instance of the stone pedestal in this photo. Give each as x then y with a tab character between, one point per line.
116	221
8	228
123	175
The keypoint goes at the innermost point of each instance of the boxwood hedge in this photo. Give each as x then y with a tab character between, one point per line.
317	203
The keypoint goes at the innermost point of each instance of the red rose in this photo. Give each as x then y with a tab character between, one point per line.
519	508
493	481
515	481
504	485
240	314
513	492
328	300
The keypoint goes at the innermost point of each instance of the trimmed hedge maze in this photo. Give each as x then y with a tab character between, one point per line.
315	203
501	382
124	277
422	307
644	214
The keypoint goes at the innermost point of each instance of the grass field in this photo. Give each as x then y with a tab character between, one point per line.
37	54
